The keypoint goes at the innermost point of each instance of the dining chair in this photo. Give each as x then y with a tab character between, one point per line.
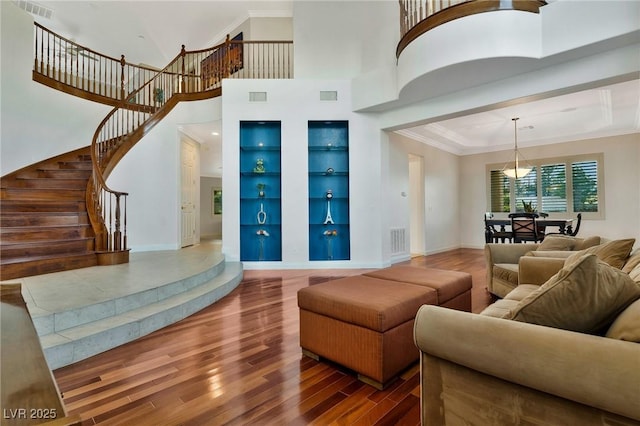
492	235
524	227
575	230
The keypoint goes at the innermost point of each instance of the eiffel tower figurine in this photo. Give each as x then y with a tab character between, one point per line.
328	219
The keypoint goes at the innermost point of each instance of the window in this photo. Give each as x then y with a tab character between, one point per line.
559	185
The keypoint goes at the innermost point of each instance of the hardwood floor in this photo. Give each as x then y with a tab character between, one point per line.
239	362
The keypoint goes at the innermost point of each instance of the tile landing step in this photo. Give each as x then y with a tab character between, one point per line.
74	343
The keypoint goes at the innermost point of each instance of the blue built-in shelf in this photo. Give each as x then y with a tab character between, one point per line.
329	190
260	191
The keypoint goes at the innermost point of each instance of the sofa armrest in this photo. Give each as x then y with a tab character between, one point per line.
592	370
537	270
506	253
503	253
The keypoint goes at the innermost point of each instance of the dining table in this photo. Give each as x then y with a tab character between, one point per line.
565	226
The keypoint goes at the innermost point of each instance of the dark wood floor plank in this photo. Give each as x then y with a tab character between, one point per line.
238	362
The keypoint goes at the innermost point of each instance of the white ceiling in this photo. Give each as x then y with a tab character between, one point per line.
151	32
601	112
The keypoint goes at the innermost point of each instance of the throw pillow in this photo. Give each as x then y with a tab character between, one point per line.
615	252
627	325
585	297
634	274
632	262
587	242
557	242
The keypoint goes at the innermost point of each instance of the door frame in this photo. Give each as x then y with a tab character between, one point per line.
184	140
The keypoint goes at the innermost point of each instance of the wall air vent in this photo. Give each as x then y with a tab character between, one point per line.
328	95
35	8
398	240
257	96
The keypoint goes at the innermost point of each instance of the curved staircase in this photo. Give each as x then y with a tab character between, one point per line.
44	225
60	214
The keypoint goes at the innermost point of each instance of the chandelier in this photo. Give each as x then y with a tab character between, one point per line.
515	170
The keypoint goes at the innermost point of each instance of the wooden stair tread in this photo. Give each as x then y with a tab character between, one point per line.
45	182
17	234
44	206
4	244
14	260
46	219
13	268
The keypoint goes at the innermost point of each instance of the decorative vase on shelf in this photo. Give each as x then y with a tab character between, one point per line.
261	187
330	234
262	235
259	168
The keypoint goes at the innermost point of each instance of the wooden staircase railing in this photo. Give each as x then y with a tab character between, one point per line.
190	76
141	97
419	16
69	67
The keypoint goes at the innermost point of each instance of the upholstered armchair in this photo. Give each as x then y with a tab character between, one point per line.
502	260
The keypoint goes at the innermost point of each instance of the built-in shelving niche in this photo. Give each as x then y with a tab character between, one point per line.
329	190
260	191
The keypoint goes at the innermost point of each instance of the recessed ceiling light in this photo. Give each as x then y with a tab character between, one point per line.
215	133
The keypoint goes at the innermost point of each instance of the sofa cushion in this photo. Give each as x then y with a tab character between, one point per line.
634	274
632	262
563	254
500	308
507	272
520	292
615	252
627	325
585	296
585	243
567	243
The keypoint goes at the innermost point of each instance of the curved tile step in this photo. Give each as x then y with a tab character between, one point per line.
73	344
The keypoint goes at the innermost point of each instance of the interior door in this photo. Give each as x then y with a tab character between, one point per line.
189	193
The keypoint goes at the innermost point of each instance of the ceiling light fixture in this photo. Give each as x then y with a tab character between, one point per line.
516	172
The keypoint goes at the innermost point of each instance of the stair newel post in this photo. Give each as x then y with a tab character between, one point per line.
122	64
183	54
117	235
227	57
124	237
110	230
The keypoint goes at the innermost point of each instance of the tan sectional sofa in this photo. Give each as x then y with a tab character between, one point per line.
566	352
502	259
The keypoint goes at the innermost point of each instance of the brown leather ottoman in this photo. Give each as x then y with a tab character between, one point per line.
363	323
453	287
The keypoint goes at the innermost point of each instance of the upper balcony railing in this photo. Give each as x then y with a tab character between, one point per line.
419	16
76	69
70	67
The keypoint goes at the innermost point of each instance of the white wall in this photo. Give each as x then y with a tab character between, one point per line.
342	39
150	173
621	185
294	103
442	205
36	122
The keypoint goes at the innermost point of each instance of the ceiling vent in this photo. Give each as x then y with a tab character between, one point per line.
328	95
257	96
34	8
